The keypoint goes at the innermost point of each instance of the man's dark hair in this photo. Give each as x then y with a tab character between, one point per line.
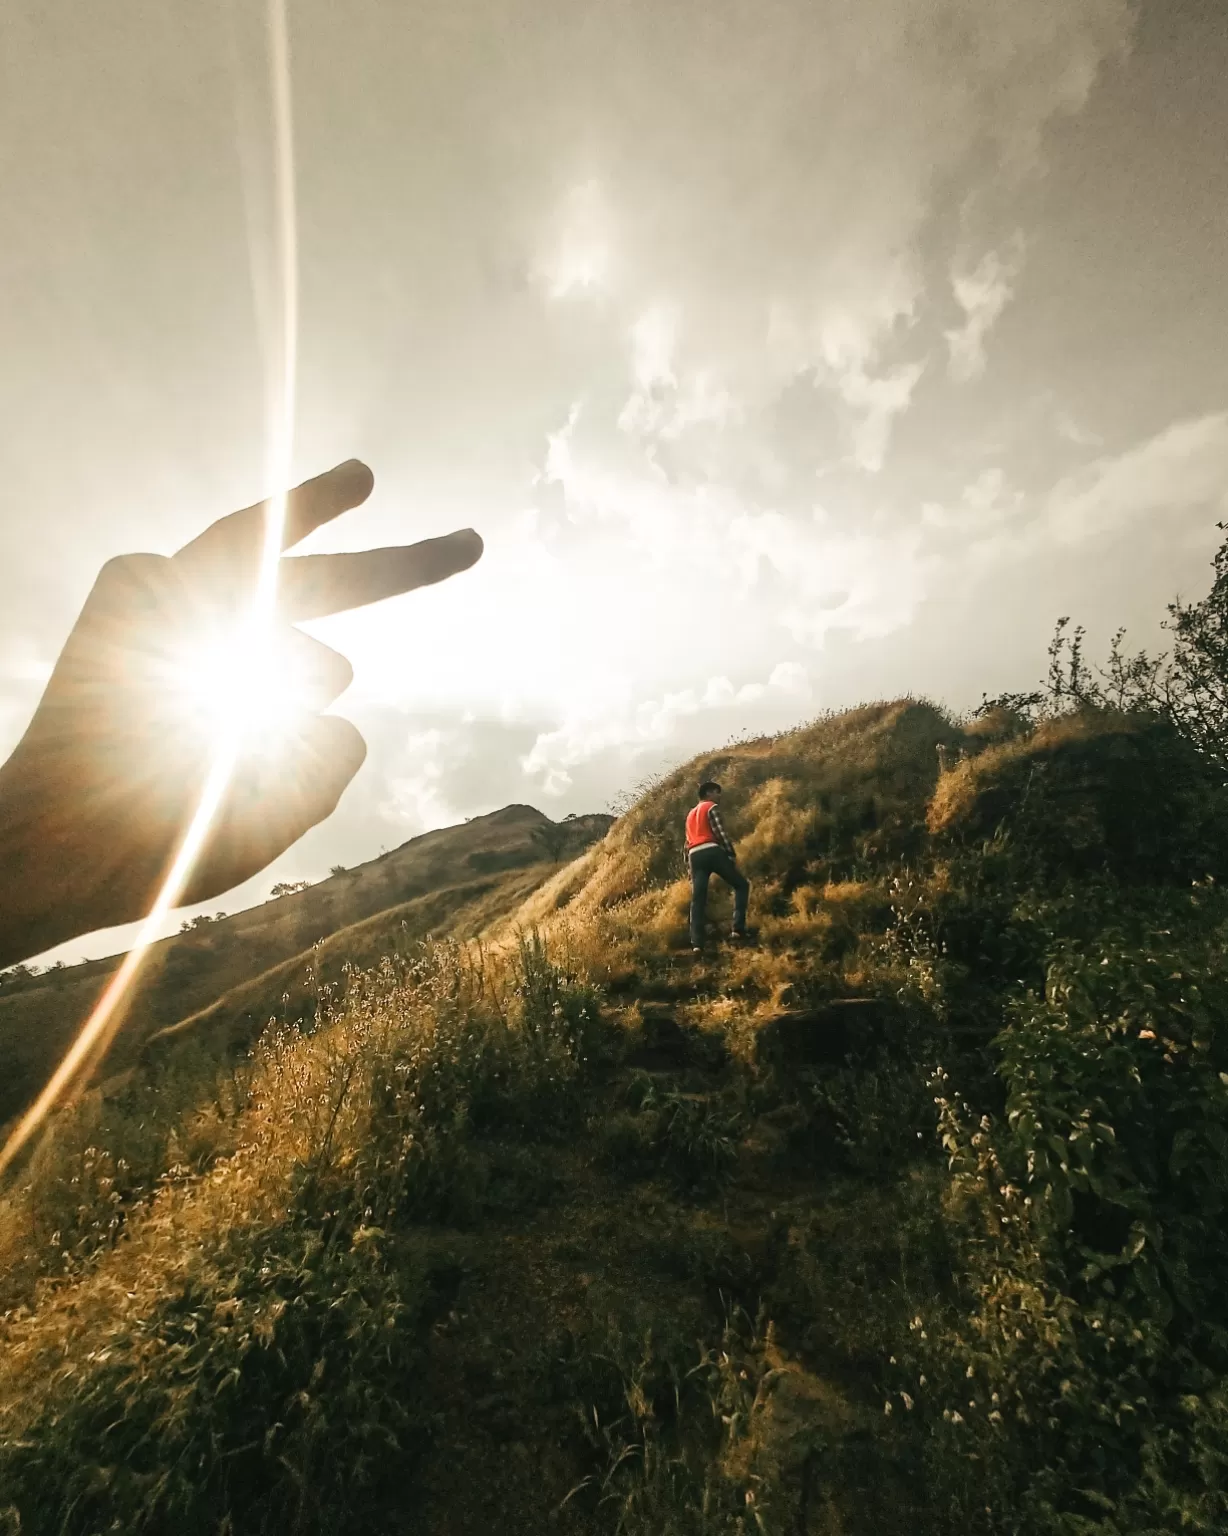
706	788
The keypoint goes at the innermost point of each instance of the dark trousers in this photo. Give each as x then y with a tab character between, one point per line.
706	862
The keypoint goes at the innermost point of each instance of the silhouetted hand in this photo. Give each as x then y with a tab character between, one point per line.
97	796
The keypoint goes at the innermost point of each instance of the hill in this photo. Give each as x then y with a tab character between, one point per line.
231	973
909	1217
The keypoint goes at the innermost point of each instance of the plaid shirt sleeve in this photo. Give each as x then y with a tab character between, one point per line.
714	821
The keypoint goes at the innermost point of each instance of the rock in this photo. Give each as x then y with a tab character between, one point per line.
823	1034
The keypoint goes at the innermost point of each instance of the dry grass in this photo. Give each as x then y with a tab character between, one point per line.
263	1271
261	1291
959	790
230	976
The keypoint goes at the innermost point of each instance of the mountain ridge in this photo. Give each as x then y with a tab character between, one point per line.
439	881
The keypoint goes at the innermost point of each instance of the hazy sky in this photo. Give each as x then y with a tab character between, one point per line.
787	353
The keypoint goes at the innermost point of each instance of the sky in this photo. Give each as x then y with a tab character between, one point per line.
786	353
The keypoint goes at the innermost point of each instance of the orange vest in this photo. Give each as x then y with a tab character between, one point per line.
699	827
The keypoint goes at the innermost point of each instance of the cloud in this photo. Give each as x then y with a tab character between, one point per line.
1183	467
876	401
689	421
655	338
646	726
758	237
23	664
442	769
983	292
702	548
663	407
417	799
790	677
24	673
864	580
1071	431
579	256
1180	471
986	504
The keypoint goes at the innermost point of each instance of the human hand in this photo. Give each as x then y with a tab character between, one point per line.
97	796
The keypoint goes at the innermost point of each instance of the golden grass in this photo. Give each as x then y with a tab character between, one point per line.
308	1148
957	790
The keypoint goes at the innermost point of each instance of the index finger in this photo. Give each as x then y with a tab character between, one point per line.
233	544
313	586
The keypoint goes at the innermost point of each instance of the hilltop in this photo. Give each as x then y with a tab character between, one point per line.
910	1217
230	974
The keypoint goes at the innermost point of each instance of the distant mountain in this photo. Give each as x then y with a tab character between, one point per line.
231	975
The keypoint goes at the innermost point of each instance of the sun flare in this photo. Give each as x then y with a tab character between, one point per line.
239	686
249	688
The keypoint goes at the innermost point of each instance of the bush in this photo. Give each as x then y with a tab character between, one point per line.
1092	791
1091	1371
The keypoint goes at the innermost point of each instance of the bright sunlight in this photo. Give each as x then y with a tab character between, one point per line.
236	683
251	687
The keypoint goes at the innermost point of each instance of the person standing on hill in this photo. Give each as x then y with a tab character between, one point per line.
709	852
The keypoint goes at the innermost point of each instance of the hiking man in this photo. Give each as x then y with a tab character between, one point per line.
709	852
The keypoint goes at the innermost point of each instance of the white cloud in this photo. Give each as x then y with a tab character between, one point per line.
1073	432
662	405
795	233
984	505
418	801
654	337
646	726
876	401
23	674
579	256
842	347
1180	472
23	664
983	292
1184	467
728	322
790	677
865	580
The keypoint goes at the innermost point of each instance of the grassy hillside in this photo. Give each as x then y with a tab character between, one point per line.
232	974
908	1218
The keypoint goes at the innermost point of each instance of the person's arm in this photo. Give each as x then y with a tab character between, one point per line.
714	821
98	795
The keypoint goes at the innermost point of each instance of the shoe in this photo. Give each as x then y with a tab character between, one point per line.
695	949
739	938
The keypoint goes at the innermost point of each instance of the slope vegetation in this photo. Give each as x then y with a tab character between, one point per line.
907	1218
231	974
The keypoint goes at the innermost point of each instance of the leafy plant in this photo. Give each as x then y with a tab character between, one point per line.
1093	1221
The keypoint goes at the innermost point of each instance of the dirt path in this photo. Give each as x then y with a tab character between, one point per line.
614	1259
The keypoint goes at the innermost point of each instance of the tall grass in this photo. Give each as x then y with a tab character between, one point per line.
227	1319
244	1356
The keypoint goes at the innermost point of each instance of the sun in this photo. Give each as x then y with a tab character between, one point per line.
242	686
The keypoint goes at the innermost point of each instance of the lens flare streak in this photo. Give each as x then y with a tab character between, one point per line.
257	629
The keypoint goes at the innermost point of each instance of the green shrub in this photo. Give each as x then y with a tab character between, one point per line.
872	1119
1091	1371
